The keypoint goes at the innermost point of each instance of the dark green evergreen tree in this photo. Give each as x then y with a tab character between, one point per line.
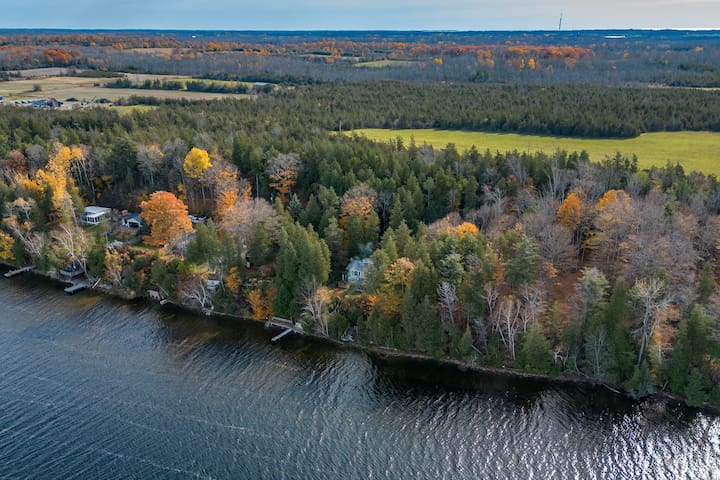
260	249
535	351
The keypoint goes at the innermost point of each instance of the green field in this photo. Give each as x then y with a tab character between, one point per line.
83	88
694	150
385	63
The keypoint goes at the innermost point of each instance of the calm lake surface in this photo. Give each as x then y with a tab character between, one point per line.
93	388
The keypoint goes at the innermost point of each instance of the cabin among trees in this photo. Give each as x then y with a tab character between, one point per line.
356	271
94	215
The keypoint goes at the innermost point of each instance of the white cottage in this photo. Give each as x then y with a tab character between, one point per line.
356	270
94	215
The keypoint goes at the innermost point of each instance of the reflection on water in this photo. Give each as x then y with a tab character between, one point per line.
96	388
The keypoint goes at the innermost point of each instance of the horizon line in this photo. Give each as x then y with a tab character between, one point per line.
360	30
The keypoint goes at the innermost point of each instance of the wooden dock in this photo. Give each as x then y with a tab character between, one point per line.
287	325
76	287
19	271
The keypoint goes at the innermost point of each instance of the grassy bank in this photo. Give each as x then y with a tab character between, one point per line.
694	150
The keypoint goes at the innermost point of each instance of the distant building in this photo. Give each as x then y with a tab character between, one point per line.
95	215
356	270
131	220
196	220
46	103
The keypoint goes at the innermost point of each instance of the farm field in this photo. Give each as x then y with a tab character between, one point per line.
385	64
694	150
83	88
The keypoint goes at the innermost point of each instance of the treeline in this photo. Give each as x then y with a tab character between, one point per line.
188	85
571	110
601	58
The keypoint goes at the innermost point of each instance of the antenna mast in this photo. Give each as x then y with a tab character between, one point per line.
560	24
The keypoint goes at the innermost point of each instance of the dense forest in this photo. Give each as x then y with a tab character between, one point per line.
588	111
551	262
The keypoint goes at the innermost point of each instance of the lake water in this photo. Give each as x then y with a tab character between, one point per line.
93	388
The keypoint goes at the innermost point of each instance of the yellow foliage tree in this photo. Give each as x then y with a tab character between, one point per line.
167	216
56	175
233	280
397	279
6	245
196	162
261	305
467	229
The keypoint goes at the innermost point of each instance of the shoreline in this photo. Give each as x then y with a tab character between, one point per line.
387	354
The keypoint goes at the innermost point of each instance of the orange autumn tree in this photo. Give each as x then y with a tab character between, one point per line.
570	211
168	218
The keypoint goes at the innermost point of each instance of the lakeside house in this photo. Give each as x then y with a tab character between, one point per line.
131	220
94	215
72	271
356	270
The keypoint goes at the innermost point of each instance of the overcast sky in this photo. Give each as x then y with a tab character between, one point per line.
361	15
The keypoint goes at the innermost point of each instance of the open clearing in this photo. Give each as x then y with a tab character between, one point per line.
694	150
82	88
129	109
385	64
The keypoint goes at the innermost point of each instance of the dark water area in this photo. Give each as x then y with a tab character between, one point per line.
94	388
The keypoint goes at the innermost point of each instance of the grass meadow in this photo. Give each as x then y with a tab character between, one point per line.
86	89
698	151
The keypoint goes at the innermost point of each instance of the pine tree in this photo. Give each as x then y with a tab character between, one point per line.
535	351
691	346
260	248
397	213
338	253
355	235
204	245
429	337
461	343
312	213
616	324
642	383
696	390
706	284
301	255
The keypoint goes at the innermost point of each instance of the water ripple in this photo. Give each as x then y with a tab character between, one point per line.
95	388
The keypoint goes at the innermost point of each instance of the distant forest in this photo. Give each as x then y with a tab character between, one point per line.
671	58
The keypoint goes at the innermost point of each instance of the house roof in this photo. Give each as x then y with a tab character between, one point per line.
359	264
95	210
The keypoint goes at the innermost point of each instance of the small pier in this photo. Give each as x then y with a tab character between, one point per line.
19	271
287	325
76	287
